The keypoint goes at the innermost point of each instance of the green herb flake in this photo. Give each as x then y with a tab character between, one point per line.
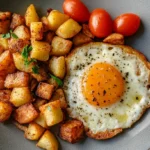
25	54
59	82
9	35
35	69
28	62
26	51
14	35
6	36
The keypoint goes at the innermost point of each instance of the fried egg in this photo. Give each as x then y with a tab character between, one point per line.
106	87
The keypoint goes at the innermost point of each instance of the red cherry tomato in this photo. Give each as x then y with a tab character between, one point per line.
76	10
127	24
100	23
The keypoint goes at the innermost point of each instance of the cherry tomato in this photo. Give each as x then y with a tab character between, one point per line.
100	23
76	10
127	24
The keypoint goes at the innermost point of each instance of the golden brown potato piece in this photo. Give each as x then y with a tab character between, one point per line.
52	112
34	131
39	102
5	111
5	95
114	38
57	66
86	31
18	79
22	32
80	39
42	76
16	21
55	19
4	22
48	141
49	36
36	29
53	82
1	49
3	43
45	22
16	45
31	15
60	46
6	63
20	96
40	50
33	84
44	90
20	65
59	95
2	81
41	121
19	126
25	113
68	29
72	131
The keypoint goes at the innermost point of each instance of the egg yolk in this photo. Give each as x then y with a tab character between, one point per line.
103	85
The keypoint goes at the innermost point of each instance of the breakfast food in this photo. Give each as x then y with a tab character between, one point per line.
104	90
106	87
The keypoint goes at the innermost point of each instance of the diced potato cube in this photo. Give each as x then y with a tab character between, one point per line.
1	49
41	121
49	36
80	39
57	66
33	84
44	90
31	15
56	18
114	38
17	45
6	63
5	60
17	20
4	43
19	126
18	79
48	141
34	131
25	113
59	95
40	50
41	76
86	31
52	112
45	24
5	110
36	29
20	96
39	102
22	32
5	95
60	46
68	29
20	64
72	131
2	81
4	22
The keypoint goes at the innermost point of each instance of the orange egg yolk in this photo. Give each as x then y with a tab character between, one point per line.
103	85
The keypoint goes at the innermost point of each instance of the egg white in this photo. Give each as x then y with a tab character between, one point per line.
134	101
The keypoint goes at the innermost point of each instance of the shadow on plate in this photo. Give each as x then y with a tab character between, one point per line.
132	40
